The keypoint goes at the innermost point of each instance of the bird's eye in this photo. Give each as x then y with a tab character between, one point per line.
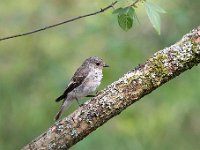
97	64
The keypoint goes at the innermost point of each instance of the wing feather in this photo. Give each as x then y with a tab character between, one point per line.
77	79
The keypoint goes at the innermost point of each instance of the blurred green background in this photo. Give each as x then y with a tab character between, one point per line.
35	69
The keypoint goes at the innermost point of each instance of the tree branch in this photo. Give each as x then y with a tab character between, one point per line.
60	23
163	66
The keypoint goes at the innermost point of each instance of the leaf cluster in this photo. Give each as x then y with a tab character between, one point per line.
126	16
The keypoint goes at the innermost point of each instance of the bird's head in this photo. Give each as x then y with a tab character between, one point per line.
95	62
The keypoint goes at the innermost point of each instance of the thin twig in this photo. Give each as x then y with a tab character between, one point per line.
60	23
134	3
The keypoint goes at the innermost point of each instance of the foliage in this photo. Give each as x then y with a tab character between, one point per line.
126	16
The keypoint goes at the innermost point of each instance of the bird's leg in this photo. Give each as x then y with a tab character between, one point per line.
79	103
92	95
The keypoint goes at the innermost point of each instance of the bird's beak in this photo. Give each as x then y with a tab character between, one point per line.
105	65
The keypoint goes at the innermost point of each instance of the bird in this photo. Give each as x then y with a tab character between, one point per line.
84	81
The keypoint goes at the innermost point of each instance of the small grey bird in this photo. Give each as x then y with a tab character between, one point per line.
85	81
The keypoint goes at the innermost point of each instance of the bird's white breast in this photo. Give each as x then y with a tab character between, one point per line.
90	83
93	80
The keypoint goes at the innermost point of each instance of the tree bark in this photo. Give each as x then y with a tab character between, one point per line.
163	66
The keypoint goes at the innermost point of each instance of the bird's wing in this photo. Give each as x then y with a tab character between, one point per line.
77	79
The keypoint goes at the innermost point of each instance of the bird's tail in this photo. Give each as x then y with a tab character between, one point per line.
60	98
64	106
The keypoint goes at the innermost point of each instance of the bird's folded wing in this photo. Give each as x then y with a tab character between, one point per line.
77	80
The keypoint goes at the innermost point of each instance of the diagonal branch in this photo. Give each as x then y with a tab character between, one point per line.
163	66
61	23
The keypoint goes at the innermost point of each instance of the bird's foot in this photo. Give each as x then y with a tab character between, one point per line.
81	105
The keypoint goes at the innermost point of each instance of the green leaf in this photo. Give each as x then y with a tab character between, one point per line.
117	11
130	11
125	21
153	11
126	10
156	7
125	17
